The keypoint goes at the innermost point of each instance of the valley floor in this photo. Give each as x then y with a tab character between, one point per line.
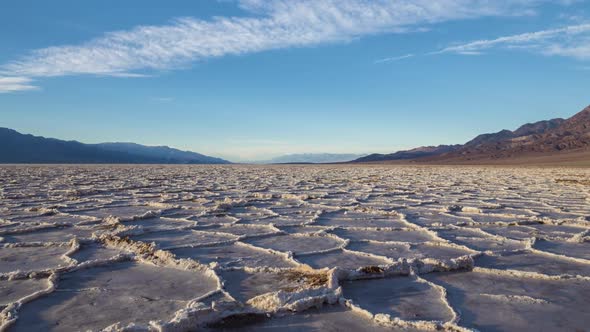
294	248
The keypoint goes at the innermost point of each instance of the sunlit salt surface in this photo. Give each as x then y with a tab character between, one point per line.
294	248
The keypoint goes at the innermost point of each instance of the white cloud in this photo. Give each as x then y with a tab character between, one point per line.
395	58
571	41
14	84
271	24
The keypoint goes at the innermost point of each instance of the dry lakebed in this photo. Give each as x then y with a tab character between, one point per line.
294	248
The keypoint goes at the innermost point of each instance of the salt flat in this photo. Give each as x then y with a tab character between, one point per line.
294	248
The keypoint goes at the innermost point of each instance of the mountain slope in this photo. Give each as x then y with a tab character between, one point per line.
490	138
168	154
532	140
22	148
536	128
420	152
548	141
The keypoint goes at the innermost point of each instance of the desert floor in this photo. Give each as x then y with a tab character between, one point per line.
294	248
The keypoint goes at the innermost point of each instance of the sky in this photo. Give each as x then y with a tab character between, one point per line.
253	79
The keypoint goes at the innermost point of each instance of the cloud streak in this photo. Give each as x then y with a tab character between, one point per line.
14	84
270	24
571	41
395	58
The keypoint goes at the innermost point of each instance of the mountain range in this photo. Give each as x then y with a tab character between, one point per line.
311	158
23	148
548	141
423	151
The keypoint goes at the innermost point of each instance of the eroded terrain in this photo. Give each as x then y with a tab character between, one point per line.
294	248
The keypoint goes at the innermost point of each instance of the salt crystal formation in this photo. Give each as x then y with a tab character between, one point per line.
184	248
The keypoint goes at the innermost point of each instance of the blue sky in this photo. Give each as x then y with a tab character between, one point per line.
252	79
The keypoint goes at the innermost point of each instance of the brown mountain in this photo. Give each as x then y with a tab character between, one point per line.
555	141
536	128
421	152
551	137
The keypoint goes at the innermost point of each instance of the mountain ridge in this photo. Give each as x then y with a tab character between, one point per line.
546	138
161	151
419	152
16	147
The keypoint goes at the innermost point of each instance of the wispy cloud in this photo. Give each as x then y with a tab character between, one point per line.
395	58
14	84
270	25
571	41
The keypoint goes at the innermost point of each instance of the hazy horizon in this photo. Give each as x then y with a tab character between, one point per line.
251	80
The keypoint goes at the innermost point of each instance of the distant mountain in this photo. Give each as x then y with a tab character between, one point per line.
549	140
170	155
308	158
539	127
22	148
531	140
524	130
491	138
424	151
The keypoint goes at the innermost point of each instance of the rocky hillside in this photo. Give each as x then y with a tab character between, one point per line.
421	152
544	137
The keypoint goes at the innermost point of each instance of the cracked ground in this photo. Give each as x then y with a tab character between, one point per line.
295	248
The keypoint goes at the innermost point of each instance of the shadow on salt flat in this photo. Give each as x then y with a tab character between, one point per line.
31	258
94	251
401	297
532	262
563	230
490	302
325	319
56	218
124	292
13	290
61	234
480	242
571	249
511	232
